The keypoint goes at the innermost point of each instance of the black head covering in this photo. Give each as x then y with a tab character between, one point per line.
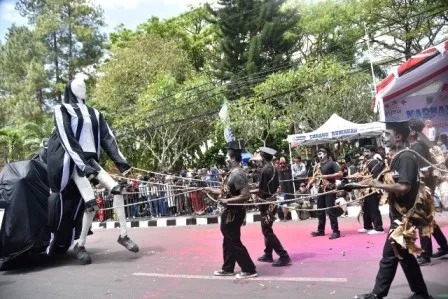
237	145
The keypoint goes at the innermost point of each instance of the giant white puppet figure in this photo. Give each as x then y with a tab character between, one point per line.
73	155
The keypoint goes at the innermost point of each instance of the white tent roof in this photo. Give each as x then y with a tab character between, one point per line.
337	128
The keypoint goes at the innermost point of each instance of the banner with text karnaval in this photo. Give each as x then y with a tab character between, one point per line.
431	108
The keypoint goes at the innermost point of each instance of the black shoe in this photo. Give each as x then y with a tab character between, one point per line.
282	261
223	273
266	258
423	261
126	242
82	255
367	296
91	206
417	296
335	236
244	275
317	234
441	253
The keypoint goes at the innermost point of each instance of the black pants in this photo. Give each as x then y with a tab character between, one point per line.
325	201
388	268
271	242
426	243
371	213
233	250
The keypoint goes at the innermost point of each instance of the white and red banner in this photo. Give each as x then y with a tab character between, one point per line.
431	107
416	89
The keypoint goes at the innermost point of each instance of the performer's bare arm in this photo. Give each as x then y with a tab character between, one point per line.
397	188
216	191
333	176
243	197
254	191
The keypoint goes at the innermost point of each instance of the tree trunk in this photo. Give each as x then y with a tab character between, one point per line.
56	65
70	43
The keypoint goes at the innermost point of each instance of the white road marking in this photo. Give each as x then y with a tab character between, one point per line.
262	278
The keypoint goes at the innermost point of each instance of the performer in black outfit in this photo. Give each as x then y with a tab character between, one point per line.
326	181
233	217
404	170
373	222
420	143
267	187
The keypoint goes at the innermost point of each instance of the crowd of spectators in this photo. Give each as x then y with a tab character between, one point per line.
168	195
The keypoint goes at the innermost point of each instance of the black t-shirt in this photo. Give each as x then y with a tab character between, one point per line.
404	169
423	150
329	167
285	176
237	180
375	167
268	181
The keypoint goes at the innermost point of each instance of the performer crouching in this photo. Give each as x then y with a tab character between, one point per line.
233	217
267	188
73	155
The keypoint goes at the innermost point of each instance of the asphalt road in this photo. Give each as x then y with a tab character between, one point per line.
178	262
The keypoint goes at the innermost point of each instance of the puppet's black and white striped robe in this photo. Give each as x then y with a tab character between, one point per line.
75	123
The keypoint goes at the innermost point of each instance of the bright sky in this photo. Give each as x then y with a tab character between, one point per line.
129	12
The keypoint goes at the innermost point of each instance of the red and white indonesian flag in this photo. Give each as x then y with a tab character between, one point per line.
423	74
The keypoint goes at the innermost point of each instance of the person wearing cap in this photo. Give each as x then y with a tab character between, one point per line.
421	144
267	187
329	173
232	218
404	171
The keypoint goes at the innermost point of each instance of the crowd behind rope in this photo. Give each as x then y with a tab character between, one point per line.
178	194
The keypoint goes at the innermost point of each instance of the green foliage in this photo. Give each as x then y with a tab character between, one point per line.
404	28
330	28
22	141
301	100
22	77
71	32
191	31
136	91
254	38
157	86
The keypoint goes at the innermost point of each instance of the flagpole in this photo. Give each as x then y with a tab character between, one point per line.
375	109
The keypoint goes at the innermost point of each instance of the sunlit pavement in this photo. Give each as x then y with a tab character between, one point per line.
178	262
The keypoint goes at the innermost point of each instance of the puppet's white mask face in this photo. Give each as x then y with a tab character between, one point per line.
388	138
78	87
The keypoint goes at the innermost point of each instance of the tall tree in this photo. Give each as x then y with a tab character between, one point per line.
22	77
193	32
402	28
71	31
149	91
330	28
254	38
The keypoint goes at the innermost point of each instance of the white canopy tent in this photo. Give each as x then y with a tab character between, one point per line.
335	129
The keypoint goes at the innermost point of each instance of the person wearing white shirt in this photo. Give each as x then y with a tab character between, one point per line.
298	172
